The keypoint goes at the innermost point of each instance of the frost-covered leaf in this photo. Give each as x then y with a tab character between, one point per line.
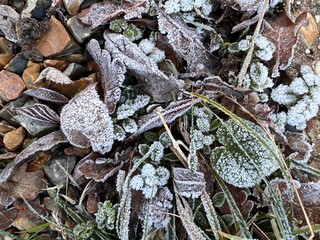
39	112
111	74
86	122
54	75
284	34
298	143
106	215
188	183
243	161
186	43
47	95
130	106
100	13
154	82
8	18
42	144
170	113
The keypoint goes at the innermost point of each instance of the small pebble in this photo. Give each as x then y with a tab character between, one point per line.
14	139
11	85
307	51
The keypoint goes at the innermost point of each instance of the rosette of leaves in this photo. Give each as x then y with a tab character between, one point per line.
243	160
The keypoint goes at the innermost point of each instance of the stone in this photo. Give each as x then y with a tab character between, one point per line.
58	63
36	9
8	19
5	58
79	30
7	112
75	71
11	85
17	65
14	139
72	6
4	128
55	41
57	166
31	73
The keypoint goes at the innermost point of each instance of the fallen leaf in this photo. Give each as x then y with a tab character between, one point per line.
86	122
157	84
47	95
301	148
44	143
100	13
310	32
284	34
7	217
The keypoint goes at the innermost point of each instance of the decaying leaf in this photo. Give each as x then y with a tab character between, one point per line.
8	18
86	122
188	183
27	185
42	144
170	113
111	74
100	13
186	43
47	95
298	143
7	217
284	34
157	84
101	169
309	193
39	112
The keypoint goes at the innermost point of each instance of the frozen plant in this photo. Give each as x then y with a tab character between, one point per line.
279	120
130	106
257	78
148	46
106	215
150	180
84	230
264	48
156	151
129	125
301	97
128	30
119	133
203	7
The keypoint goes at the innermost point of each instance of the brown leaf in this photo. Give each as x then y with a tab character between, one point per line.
100	13
47	95
111	74
186	43
284	34
86	122
39	112
299	145
42	144
310	32
7	217
157	84
22	184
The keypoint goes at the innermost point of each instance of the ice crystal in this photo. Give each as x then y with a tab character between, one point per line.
265	49
280	120
243	160
129	125
106	215
301	97
157	151
257	78
128	108
175	6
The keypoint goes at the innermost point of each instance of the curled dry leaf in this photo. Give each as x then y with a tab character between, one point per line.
27	185
100	13
186	43
111	73
298	143
42	144
188	183
47	95
157	84
284	34
54	75
86	122
39	112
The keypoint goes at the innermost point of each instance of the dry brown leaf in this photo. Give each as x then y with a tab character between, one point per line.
310	32
284	34
47	95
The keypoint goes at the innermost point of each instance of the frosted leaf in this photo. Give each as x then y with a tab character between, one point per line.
203	124
299	86
157	55
86	122
185	5
137	182
120	180
259	77
106	215
188	183
172	6
149	191
54	75
218	199
301	147
129	125
163	175
153	81
84	230
266	48
130	106
148	173
199	139
47	95
279	120
243	161
146	45
111	74
283	95
157	151
165	139
244	45
119	133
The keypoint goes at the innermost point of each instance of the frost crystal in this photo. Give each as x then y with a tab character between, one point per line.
131	106
280	120
129	125
243	161
157	151
266	48
86	122
106	215
119	133
258	77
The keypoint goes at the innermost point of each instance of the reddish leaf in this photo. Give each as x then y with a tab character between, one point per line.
284	34
47	95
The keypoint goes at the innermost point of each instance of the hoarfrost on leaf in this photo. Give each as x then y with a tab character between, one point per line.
266	48
86	122
243	161
128	108
106	215
129	125
157	151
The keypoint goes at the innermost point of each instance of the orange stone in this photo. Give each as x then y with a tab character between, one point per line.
58	63
14	139
55	40
11	85
31	73
5	58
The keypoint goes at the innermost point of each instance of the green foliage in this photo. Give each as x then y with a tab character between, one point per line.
106	215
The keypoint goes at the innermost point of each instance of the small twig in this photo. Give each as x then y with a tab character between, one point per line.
248	58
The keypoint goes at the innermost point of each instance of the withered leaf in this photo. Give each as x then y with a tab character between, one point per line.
39	112
100	13
47	95
24	184
186	43
157	84
44	143
188	183
111	74
8	155
86	122
7	217
100	169
284	34
170	113
54	75
298	143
